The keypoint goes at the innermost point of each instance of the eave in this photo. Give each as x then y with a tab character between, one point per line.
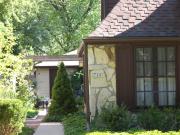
117	40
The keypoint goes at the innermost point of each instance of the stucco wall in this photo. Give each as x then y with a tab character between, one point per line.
42	78
102	77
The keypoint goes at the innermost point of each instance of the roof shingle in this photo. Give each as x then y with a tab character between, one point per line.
141	18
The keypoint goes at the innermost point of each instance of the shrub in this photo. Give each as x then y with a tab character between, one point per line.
154	118
120	119
53	118
177	119
114	118
26	131
32	113
77	81
63	101
12	116
6	93
74	124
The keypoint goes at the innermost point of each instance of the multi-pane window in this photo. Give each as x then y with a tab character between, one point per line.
155	76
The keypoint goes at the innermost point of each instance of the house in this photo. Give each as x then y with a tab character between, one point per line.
46	68
133	56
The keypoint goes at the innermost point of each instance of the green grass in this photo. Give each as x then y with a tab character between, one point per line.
155	132
27	131
32	113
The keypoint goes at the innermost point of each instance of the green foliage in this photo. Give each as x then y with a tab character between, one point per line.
54	27
12	116
77	81
14	69
16	10
154	118
78	16
25	94
49	26
155	132
27	131
53	118
75	124
114	118
7	39
7	94
32	113
120	119
177	113
63	101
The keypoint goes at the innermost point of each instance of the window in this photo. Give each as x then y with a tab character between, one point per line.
155	76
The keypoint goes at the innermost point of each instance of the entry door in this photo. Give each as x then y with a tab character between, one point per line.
155	76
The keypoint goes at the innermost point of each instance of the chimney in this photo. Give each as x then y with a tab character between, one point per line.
106	7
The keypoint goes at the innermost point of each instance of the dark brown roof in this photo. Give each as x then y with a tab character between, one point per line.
141	18
107	6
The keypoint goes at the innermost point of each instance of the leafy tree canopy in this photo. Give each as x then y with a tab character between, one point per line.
14	69
55	26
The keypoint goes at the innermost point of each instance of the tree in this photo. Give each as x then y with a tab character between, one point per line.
14	13
73	15
50	27
63	101
59	26
14	69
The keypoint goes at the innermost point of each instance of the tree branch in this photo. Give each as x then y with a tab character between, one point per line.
85	14
57	40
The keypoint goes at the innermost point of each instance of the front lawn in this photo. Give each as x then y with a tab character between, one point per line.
155	132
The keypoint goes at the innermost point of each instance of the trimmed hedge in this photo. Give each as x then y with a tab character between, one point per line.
12	116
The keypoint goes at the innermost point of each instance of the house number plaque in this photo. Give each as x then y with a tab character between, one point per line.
98	79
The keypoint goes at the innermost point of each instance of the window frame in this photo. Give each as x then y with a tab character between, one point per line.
155	75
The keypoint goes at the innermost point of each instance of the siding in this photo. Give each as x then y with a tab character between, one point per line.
125	78
42	78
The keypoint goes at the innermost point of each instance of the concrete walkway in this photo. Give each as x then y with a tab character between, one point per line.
50	129
44	128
